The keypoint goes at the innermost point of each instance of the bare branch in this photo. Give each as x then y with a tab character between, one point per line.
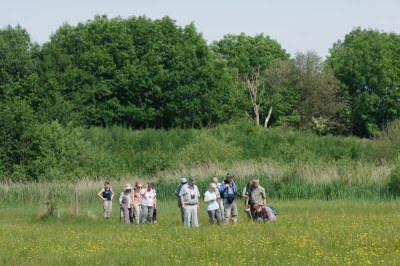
252	85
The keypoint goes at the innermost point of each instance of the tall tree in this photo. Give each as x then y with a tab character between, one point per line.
136	71
321	106
249	58
16	62
249	54
367	62
16	137
281	80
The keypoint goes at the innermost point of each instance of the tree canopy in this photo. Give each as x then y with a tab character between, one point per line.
136	72
367	62
247	53
143	73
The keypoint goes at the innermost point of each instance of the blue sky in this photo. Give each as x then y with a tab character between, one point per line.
297	25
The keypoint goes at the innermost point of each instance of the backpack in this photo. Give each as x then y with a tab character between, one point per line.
231	198
274	210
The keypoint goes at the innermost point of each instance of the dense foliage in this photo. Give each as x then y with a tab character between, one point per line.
141	73
135	72
54	152
367	63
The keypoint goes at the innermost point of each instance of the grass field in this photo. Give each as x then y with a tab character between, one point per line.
307	233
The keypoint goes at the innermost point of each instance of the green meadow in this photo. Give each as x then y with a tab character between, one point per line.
337	197
129	99
308	232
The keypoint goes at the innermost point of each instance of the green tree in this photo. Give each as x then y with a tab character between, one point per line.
281	81
16	62
17	149
247	54
367	63
249	58
137	72
322	107
81	67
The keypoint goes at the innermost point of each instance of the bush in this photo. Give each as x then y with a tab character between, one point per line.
59	152
64	154
206	148
17	122
394	183
386	146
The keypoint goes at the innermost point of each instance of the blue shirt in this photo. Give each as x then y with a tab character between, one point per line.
107	193
230	190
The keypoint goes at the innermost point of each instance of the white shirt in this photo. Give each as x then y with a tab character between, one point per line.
190	195
212	203
148	197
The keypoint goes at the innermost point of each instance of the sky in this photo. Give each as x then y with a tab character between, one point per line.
299	26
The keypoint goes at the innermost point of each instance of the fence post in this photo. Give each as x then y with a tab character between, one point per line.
76	202
58	213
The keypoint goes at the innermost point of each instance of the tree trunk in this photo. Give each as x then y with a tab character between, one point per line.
257	113
268	117
252	85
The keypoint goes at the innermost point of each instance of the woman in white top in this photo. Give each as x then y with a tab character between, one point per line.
211	197
149	202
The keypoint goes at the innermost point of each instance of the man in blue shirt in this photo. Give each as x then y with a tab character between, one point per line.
228	191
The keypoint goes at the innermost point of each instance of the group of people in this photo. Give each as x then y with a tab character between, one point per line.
139	205
221	199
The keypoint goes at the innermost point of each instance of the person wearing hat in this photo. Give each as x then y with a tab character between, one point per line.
190	203
125	202
137	202
228	191
106	194
211	197
177	190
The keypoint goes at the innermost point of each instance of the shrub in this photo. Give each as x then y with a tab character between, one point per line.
394	183
17	122
386	146
64	154
205	148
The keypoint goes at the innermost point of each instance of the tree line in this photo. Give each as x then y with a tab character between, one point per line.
143	73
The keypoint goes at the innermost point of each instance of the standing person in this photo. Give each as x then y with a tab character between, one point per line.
154	217
190	202
211	197
125	202
107	195
177	190
257	197
228	191
149	202
137	202
246	195
220	200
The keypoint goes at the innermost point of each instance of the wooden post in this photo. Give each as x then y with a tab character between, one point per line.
58	213
76	202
